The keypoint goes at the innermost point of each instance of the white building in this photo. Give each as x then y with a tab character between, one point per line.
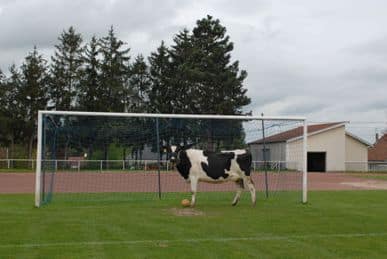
330	148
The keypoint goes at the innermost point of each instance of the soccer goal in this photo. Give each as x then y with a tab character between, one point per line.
105	157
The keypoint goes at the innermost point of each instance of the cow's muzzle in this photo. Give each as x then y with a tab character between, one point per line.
173	160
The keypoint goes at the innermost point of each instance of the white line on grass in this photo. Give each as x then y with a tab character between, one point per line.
191	240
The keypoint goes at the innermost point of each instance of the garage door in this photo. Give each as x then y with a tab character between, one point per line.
316	161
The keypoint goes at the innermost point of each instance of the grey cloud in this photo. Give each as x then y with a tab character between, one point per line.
300	108
311	58
373	73
375	47
246	8
378	103
28	23
40	22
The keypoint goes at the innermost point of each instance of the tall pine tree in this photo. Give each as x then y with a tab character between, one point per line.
183	82
136	100
33	94
10	110
113	79
205	80
66	67
89	96
2	78
160	99
114	72
90	87
3	110
219	80
138	87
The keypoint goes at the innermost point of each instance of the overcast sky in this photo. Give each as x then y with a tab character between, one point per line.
326	59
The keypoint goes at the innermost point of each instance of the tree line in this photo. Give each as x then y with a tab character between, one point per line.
194	75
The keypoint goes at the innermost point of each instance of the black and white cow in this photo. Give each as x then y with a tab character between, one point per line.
204	166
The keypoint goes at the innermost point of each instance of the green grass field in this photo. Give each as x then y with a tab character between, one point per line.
340	224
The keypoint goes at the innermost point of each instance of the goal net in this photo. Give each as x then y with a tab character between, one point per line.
105	157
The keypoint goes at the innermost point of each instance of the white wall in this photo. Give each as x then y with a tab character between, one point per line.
356	155
276	153
332	142
294	155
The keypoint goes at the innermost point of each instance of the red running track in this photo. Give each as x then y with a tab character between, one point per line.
171	182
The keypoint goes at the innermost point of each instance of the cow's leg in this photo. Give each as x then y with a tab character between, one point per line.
250	184
240	187
194	185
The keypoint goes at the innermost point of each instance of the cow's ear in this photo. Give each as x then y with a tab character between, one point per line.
188	146
179	147
165	149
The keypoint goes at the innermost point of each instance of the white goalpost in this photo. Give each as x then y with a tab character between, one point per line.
118	138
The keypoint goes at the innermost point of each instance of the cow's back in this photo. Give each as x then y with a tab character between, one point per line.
223	166
218	164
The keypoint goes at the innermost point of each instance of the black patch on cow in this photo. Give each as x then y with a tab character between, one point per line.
183	164
208	152
217	164
244	162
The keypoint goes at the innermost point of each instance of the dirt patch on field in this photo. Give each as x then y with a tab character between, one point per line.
186	212
368	184
342	181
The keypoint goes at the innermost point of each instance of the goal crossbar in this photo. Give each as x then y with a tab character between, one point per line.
177	116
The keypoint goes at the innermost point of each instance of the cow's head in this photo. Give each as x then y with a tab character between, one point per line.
174	151
173	155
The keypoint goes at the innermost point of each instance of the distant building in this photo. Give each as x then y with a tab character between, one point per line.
146	153
330	148
74	161
378	152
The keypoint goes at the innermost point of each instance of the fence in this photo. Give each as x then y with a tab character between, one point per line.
358	166
128	165
25	164
78	165
148	165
